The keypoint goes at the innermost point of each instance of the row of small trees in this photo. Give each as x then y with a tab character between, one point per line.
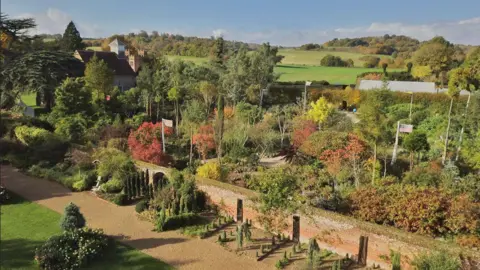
137	185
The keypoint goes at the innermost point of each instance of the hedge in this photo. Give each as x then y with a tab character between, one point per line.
182	220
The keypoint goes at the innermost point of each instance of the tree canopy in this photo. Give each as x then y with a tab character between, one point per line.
71	39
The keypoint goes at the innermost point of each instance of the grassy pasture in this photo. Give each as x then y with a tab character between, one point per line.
313	58
334	75
94	48
26	225
195	60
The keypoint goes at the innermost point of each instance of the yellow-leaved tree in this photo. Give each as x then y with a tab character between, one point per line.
421	72
320	111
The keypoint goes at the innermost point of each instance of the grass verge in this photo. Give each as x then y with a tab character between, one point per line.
26	225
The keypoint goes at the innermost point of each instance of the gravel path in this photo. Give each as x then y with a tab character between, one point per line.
121	222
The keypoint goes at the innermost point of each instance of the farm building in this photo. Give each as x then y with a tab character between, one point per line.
123	63
402	86
399	86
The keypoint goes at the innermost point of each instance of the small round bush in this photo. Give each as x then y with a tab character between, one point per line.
141	206
113	185
72	219
80	185
212	170
120	199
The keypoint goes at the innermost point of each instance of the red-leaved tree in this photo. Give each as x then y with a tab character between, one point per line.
351	154
145	143
302	129
204	140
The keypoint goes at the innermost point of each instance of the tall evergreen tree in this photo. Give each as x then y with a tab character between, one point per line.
71	40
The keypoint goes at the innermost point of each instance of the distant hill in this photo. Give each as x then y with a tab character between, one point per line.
169	44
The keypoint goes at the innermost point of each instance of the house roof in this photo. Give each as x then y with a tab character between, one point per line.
119	66
116	42
399	86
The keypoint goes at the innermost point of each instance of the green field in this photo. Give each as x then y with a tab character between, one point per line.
334	75
95	48
299	65
26	225
313	58
196	60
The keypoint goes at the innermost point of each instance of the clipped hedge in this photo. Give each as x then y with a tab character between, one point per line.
141	206
182	220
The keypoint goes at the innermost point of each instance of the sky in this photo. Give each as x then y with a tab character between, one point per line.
280	22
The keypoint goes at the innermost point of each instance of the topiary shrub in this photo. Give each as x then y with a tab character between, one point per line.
72	218
113	185
71	250
212	170
120	199
182	220
141	206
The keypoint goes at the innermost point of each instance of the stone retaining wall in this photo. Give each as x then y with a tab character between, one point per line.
342	238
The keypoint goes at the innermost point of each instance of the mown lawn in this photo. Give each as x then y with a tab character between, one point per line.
26	225
29	99
94	48
334	75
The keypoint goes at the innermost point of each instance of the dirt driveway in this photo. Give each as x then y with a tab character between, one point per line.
171	247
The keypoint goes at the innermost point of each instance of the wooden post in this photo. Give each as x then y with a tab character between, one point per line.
296	229
363	250
239	210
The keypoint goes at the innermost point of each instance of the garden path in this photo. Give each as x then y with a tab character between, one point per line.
121	222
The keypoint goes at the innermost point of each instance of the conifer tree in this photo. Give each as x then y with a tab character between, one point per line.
72	219
71	40
139	184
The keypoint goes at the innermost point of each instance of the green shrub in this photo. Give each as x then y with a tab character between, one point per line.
113	162
113	185
141	206
120	199
33	136
80	185
71	250
182	220
53	174
72	127
212	170
118	143
82	180
437	261
72	218
195	231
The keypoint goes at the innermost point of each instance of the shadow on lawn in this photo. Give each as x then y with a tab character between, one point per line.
18	253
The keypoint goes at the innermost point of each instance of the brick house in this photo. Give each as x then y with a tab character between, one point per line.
124	64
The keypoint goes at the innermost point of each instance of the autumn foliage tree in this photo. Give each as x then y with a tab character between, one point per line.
204	140
302	129
145	143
